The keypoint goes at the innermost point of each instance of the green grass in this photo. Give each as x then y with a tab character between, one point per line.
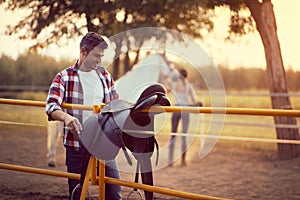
15	118
244	101
26	115
23	114
250	126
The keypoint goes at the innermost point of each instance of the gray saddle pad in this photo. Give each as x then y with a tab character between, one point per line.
96	141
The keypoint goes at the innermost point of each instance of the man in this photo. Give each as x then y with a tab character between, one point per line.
86	82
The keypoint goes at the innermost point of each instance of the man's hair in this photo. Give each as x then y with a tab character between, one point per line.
183	73
91	40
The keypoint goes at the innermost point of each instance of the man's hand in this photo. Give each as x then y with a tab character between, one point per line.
73	124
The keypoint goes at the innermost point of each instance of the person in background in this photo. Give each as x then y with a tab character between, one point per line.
184	95
88	83
54	130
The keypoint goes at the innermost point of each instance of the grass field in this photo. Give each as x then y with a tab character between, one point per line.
234	125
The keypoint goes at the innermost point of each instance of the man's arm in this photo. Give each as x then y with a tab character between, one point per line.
71	122
193	94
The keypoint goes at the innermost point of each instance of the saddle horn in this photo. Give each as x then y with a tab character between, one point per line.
152	95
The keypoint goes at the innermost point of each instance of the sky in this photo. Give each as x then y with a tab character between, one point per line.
244	52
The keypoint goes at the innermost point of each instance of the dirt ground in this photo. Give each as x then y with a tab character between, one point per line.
226	172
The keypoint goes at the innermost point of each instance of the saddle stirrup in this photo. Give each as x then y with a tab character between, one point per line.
136	180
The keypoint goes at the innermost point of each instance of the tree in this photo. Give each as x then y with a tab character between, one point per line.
262	19
60	19
7	66
50	21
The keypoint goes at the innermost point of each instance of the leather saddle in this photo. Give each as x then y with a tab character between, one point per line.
120	125
117	125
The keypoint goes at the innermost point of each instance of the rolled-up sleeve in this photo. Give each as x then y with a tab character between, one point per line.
55	96
112	91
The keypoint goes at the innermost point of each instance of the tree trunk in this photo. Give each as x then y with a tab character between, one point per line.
116	67
126	62
264	17
89	23
137	57
126	58
116	61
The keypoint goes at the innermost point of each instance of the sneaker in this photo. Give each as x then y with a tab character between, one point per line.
51	164
183	164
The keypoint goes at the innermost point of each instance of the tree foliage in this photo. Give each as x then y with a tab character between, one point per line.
7	66
51	20
29	69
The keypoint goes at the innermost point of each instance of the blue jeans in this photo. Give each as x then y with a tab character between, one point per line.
185	120
74	165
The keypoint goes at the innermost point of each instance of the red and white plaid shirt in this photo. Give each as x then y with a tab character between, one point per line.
66	88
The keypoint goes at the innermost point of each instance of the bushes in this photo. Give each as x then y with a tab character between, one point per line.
255	78
37	70
29	69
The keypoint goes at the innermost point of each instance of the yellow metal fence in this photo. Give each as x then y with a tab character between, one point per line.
102	179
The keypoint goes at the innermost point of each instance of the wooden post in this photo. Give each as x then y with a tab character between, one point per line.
101	180
86	179
93	171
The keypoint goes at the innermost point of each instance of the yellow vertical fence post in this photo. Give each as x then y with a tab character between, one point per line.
96	109
91	172
101	165
86	179
101	180
94	171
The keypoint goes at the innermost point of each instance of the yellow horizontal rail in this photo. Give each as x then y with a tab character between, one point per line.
39	171
234	111
125	183
208	110
43	104
160	190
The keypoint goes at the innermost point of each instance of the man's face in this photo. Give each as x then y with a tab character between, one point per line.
93	58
